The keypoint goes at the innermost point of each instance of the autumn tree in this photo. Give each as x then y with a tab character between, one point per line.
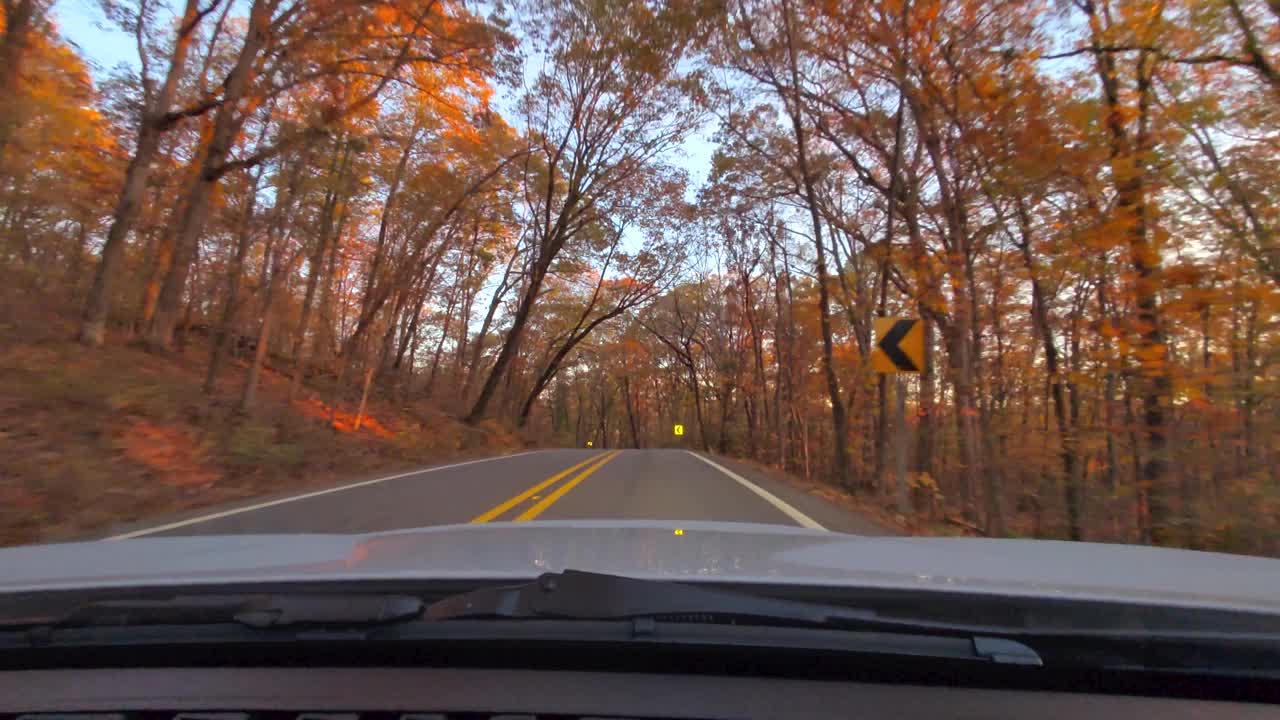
603	112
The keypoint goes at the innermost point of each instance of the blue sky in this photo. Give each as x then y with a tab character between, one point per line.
82	23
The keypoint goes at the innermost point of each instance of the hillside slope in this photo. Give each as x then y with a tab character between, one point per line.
95	438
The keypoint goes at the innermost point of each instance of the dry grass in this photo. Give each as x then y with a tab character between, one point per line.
90	439
878	508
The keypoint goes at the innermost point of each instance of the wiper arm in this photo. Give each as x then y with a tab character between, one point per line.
258	611
578	595
345	610
595	596
658	608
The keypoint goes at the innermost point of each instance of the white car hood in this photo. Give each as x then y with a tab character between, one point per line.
729	552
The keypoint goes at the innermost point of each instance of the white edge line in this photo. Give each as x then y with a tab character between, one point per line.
774	500
305	496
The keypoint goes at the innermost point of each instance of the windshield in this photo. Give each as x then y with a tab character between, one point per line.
571	284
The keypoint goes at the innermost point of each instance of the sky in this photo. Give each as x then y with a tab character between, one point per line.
82	23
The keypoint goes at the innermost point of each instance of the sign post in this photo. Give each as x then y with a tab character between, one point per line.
899	351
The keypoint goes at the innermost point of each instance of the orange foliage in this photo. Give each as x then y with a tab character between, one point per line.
342	421
173	454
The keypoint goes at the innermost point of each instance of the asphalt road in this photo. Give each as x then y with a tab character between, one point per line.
531	486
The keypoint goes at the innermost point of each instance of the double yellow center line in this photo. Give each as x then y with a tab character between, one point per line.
593	463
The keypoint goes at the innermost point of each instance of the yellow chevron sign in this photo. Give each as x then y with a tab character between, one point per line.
899	345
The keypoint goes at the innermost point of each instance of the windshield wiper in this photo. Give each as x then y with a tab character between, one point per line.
585	606
595	607
578	595
258	611
575	595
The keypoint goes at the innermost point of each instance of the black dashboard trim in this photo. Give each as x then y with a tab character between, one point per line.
648	695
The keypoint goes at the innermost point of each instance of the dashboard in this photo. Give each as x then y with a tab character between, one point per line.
400	693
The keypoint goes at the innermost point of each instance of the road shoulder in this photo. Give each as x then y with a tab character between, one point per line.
818	502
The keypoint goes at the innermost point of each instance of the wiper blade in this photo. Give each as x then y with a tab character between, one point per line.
258	611
579	595
344	610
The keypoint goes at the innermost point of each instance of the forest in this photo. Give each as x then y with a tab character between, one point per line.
499	208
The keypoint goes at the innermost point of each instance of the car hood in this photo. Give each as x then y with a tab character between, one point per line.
722	552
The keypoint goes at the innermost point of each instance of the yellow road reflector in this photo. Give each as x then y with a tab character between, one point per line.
679	531
498	510
590	444
679	430
546	502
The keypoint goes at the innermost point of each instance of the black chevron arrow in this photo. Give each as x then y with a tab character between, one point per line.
889	345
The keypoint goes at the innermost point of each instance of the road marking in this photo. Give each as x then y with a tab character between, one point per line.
546	502
305	496
774	500
495	512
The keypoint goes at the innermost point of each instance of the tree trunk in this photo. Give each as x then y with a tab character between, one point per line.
726	407
631	415
1142	510
248	397
98	303
924	430
413	311
963	336
414	340
417	302
577	421
249	394
75	264
384	220
900	448
509	345
757	399
196	207
477	347
784	330
553	366
20	17
221	334
1129	177
839	421
1153	349
460	348
327	326
696	385
315	269
444	334
364	397
1066	430
882	386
